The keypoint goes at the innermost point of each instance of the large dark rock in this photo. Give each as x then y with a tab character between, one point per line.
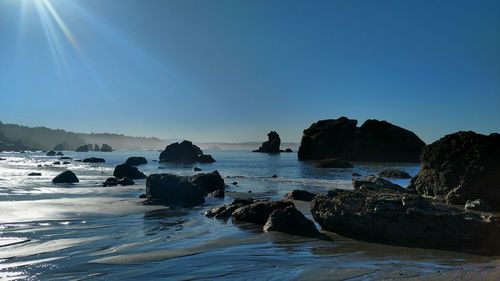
65	177
374	141
407	220
258	212
34	174
93	160
116	181
300	195
84	148
51	153
209	182
106	148
333	163
184	152
394	174
378	184
136	161
174	190
272	145
461	166
226	211
292	221
125	170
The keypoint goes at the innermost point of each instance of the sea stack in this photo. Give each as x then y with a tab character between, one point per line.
374	141
184	152
272	145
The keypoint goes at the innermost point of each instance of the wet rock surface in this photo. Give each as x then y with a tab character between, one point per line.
66	177
292	221
125	170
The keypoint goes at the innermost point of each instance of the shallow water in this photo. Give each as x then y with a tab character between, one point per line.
86	231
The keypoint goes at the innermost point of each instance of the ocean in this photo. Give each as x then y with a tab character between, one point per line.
84	231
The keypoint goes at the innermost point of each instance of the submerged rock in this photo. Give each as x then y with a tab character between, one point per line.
292	221
125	170
272	145
65	177
136	161
376	183
93	160
184	152
374	141
65	158
460	167
300	195
407	220
174	190
394	174
288	150
334	163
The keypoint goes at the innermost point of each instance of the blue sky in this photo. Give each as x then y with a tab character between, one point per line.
234	70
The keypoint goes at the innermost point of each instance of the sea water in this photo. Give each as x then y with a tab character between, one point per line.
84	231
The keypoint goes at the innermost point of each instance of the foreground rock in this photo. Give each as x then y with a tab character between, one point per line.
115	181
460	167
376	183
136	161
258	212
125	170
300	195
65	177
374	141
93	160
209	182
184	152
272	145
292	221
226	211
334	163
407	220
394	174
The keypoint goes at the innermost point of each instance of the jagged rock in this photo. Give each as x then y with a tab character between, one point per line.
334	163
300	195
34	174
65	177
51	153
219	193
136	161
83	148
258	212
125	170
376	183
226	211
174	190
209	182
394	174
477	205
61	147
93	160
292	221
106	148
461	166
374	141
272	145
407	220
184	152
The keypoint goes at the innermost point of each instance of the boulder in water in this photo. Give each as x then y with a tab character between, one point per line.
272	145
136	161
206	158
174	190
34	174
300	195
292	221
65	177
125	170
209	182
51	153
258	212
183	152
83	148
93	160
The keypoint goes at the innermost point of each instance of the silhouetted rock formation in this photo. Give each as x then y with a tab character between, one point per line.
93	160
83	148
333	163
394	174
461	166
407	220
136	161
65	177
106	148
125	170
375	141
184	152
96	147
272	145
209	182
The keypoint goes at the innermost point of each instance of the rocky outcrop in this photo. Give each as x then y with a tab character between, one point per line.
300	195
460	167
378	184
106	148
258	212
394	174
292	221
136	161
93	160
374	141
65	177
407	220
84	148
125	170
115	181
272	145
184	152
334	163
